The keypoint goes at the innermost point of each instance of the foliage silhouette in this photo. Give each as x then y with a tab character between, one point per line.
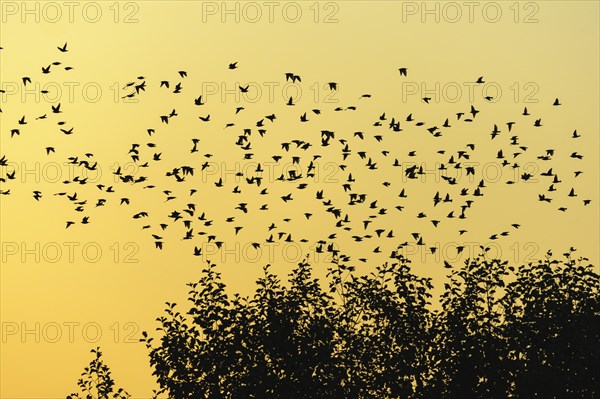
469	351
553	326
500	331
383	328
96	381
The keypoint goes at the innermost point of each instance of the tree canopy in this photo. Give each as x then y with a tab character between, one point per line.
499	331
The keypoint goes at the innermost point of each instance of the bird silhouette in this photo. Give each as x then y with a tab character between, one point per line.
279	156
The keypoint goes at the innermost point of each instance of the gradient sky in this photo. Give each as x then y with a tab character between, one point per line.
101	284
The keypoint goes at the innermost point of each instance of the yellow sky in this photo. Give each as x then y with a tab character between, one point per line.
103	283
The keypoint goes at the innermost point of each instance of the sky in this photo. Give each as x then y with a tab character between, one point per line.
65	291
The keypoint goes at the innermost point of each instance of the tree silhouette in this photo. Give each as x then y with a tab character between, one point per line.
470	349
384	330
553	326
96	381
280	343
298	341
501	331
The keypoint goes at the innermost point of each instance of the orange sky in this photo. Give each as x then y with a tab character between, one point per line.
65	291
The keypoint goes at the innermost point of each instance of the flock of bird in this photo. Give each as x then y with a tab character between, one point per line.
363	217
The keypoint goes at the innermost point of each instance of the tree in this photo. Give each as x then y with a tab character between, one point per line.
96	381
296	341
278	344
384	330
553	326
531	331
470	352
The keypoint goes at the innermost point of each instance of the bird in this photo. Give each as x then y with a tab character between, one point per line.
299	172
